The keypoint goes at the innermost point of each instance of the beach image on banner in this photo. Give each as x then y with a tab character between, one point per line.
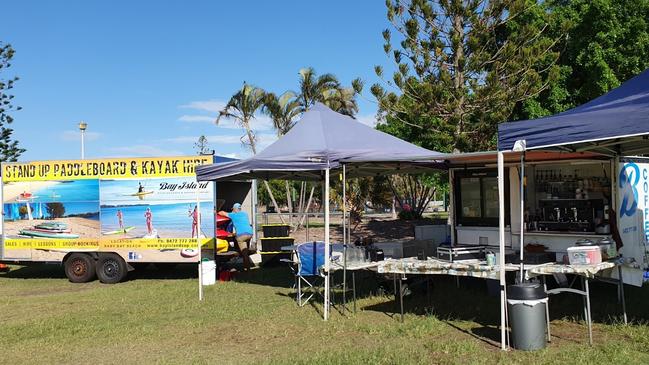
156	208
66	209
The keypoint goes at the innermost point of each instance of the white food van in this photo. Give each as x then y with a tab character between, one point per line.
567	197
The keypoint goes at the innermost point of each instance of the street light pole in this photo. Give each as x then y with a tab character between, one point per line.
82	127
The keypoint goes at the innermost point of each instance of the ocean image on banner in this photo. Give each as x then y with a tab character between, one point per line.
155	208
56	209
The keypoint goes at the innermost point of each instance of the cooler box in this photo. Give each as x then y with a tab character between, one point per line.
584	255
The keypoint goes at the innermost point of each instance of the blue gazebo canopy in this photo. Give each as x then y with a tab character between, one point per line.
616	123
324	139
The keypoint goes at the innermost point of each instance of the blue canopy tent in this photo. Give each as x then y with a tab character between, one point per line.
321	142
614	124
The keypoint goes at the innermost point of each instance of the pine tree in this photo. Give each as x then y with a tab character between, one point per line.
9	149
461	67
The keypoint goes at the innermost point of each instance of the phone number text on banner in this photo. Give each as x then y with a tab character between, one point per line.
107	244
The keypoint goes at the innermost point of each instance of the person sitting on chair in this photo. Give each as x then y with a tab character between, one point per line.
243	231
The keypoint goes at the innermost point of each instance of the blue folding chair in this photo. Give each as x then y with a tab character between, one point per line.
310	258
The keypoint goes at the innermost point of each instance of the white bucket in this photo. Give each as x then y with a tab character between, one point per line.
209	272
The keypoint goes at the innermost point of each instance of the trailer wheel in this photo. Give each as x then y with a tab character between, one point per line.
79	268
111	268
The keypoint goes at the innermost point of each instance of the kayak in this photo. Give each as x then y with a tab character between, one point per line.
142	193
34	233
50	230
52	225
120	231
23	199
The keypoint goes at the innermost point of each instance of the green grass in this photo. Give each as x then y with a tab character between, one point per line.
149	319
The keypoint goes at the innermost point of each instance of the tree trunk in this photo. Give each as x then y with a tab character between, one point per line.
306	209
289	200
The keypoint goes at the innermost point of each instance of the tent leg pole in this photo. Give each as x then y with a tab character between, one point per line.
344	240
327	244
501	253
198	245
522	213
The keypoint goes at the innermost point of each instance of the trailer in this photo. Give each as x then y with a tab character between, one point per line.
101	218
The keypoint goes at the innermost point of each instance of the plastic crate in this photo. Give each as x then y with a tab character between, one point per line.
275	230
273	258
275	244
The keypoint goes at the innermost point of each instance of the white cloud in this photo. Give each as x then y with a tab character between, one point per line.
216	139
263	140
72	135
369	120
212	106
196	118
143	151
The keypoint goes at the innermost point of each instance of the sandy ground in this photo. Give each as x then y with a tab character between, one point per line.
11	190
84	227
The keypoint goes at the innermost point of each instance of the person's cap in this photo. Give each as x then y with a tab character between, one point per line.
236	206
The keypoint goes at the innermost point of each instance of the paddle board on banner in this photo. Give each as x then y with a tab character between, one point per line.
120	231
33	233
141	193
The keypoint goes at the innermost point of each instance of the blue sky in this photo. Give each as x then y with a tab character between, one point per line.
149	76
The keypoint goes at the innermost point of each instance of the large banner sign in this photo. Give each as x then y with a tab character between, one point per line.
633	216
111	204
116	168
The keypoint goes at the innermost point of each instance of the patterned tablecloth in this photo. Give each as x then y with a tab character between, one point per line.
431	266
588	271
353	266
480	269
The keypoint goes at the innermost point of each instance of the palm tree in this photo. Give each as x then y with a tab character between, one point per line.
314	88
327	90
242	107
283	110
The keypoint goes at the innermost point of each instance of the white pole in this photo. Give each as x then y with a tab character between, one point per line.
82	128
522	192
82	146
254	210
501	236
344	237
199	246
326	239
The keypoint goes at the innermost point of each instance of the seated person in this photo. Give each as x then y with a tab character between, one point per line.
243	232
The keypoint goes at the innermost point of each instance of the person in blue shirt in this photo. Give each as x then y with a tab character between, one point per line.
243	231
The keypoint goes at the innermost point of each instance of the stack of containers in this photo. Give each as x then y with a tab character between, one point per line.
275	237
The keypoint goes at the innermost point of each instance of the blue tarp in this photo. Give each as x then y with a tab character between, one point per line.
622	113
323	138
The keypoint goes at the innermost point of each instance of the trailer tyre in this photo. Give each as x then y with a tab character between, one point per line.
80	268
111	268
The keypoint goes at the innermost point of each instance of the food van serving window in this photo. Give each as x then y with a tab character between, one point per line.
477	197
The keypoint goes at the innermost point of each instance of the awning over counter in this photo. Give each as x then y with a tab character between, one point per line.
616	123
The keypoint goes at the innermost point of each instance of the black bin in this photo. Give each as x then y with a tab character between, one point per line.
526	303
